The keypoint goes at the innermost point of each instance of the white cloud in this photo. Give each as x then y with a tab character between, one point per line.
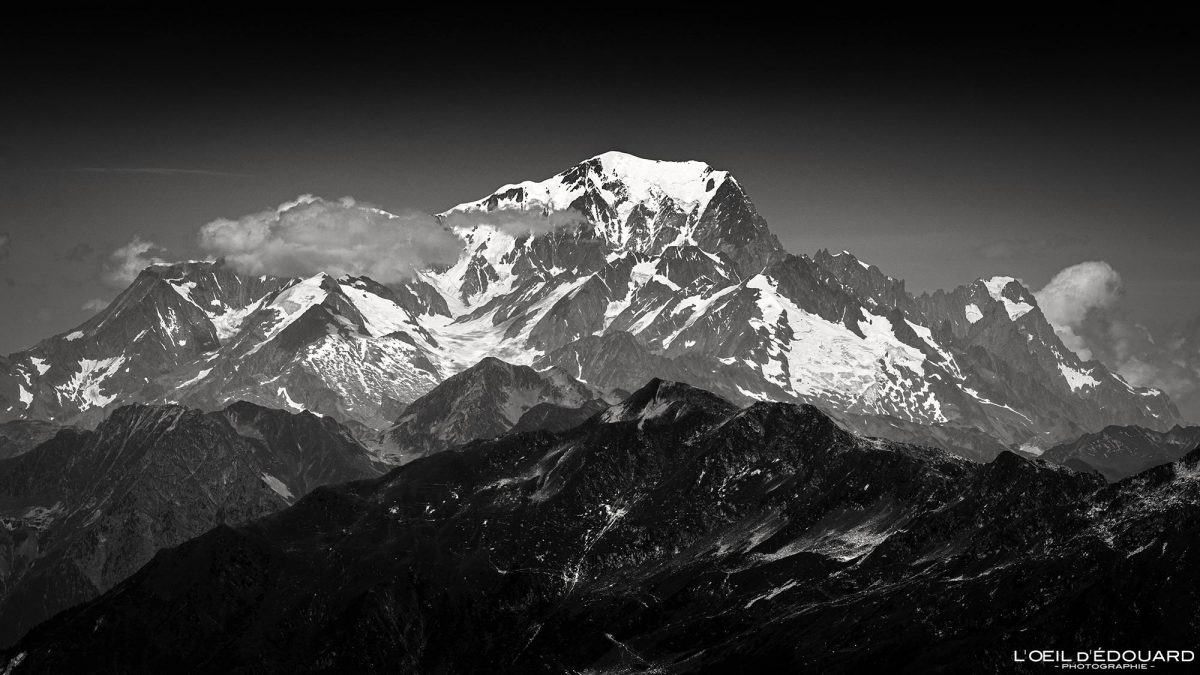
1075	292
125	263
311	235
1084	303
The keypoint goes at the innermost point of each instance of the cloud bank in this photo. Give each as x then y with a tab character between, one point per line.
1085	304
125	263
311	235
1075	292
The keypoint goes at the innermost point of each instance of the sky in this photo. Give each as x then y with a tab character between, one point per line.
941	153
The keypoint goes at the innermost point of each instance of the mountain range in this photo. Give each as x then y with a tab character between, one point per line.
672	532
84	509
1117	452
671	271
644	439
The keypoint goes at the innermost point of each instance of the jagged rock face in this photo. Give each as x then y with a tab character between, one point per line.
1119	452
674	274
484	401
866	281
86	509
672	532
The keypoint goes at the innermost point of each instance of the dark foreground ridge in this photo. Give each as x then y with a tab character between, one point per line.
670	533
85	509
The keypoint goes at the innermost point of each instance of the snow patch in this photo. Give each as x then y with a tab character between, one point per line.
1077	379
973	313
278	486
85	385
40	364
995	287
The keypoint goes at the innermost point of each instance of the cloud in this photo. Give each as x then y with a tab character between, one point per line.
311	235
1075	292
94	305
1012	248
1085	304
125	263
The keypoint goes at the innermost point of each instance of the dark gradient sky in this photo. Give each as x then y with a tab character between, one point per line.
940	153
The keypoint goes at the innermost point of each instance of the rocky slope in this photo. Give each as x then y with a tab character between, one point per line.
20	436
674	532
668	270
485	401
85	509
1118	452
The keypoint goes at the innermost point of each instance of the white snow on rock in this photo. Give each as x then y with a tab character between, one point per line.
382	316
973	313
1076	378
996	286
827	361
199	376
278	486
228	323
623	181
184	288
40	364
86	385
287	399
1030	449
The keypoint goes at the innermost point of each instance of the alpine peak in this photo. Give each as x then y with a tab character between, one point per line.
644	206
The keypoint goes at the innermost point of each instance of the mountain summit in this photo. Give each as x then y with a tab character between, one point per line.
647	206
666	269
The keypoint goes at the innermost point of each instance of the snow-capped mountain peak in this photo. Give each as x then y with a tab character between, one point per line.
688	183
639	205
627	180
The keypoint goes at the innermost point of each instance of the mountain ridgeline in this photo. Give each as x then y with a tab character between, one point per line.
671	272
672	532
85	509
